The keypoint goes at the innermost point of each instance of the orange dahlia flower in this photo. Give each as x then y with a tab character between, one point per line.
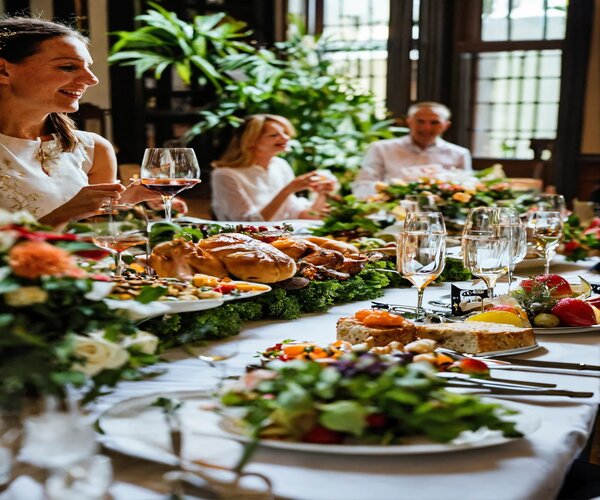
32	259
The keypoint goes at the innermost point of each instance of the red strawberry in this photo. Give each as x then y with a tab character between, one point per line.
321	435
574	312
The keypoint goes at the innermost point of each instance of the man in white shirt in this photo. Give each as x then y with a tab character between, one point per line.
421	153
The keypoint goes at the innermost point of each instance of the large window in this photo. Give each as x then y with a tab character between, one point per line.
516	75
507	55
355	36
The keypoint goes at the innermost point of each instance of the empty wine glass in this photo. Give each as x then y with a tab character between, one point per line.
548	202
215	355
510	220
117	228
423	202
421	250
546	230
169	171
487	255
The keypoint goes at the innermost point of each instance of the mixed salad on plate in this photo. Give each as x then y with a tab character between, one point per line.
356	398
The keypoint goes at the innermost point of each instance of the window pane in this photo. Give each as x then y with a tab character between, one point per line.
527	20
355	35
514	101
494	21
503	20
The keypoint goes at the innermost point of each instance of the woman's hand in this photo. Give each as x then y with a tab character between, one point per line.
135	193
85	203
314	181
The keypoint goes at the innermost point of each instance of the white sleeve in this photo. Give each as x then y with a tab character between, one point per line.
371	171
229	201
466	161
294	205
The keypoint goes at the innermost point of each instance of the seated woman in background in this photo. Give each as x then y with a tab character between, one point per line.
47	166
250	183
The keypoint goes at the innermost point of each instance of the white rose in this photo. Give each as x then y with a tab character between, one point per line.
99	354
25	296
7	239
20	218
142	341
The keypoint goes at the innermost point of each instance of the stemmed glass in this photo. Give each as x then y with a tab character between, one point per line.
117	228
547	202
422	202
215	355
421	250
169	171
487	246
510	220
546	229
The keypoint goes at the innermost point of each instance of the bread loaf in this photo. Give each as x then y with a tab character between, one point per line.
353	331
249	259
182	259
477	337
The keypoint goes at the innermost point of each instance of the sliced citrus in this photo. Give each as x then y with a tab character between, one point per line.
503	317
583	290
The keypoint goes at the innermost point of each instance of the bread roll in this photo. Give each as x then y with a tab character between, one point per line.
477	337
182	259
249	259
346	249
353	331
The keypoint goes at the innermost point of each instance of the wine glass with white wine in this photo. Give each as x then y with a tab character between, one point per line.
168	171
421	250
546	229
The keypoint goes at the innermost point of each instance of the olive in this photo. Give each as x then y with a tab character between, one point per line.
546	320
536	307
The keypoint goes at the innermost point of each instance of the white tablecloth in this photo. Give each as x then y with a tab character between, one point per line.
530	468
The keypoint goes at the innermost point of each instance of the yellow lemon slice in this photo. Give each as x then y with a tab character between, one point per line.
503	317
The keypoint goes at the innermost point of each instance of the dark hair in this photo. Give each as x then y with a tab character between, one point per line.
20	37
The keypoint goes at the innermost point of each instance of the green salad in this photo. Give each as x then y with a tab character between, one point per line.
360	398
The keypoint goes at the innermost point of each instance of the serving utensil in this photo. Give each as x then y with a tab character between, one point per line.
528	365
503	382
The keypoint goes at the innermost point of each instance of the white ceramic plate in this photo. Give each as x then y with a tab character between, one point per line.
135	428
482	438
183	306
563	330
245	295
508	352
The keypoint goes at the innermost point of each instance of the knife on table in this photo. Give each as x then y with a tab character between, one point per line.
551	364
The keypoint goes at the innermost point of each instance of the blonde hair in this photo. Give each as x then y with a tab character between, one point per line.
240	151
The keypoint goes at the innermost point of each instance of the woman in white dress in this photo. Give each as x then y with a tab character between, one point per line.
47	166
250	183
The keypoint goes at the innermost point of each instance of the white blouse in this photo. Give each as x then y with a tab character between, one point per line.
38	176
239	194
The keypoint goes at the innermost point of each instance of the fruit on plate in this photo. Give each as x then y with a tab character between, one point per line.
546	320
515	309
559	287
502	317
574	312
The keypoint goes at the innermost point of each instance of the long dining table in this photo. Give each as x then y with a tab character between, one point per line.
533	467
